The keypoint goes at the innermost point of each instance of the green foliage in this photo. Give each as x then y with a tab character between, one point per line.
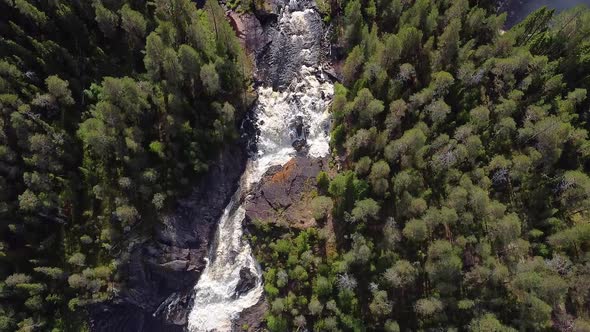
380	306
465	185
322	286
488	322
443	265
133	23
321	206
323	182
277	323
59	89
365	210
428	308
391	326
30	11
103	129
416	230
300	288
401	274
106	19
354	23
210	78
379	177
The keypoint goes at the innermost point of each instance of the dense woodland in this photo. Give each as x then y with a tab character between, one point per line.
464	195
463	199
108	110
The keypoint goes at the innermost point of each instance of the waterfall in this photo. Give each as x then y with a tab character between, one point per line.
295	116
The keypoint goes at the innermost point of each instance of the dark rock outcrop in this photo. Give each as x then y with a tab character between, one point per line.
249	30
247	282
160	272
284	194
298	132
281	36
251	319
296	40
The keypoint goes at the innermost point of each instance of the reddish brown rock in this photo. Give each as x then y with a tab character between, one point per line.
249	31
284	194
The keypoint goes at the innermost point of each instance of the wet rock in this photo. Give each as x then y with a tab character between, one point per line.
163	269
334	76
169	308
338	52
251	318
281	36
284	194
297	126
298	133
299	144
249	30
176	265
294	39
247	282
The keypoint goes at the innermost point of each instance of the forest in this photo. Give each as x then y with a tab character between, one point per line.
458	197
463	199
109	109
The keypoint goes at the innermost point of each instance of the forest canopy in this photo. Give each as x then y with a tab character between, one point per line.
463	200
109	109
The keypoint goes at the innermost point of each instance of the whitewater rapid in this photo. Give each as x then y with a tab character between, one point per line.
291	111
305	101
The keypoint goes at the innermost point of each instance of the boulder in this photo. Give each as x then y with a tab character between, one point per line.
298	131
284	194
177	265
299	144
247	281
252	317
249	30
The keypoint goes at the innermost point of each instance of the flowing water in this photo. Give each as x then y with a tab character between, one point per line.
519	9
296	115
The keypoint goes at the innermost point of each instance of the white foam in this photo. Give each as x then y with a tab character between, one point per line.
215	305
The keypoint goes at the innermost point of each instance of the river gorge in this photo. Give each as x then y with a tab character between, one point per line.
290	118
199	273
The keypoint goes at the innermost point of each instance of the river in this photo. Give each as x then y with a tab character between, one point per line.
519	9
292	110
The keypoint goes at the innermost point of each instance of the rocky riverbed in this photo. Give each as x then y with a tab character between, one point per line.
284	194
161	270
